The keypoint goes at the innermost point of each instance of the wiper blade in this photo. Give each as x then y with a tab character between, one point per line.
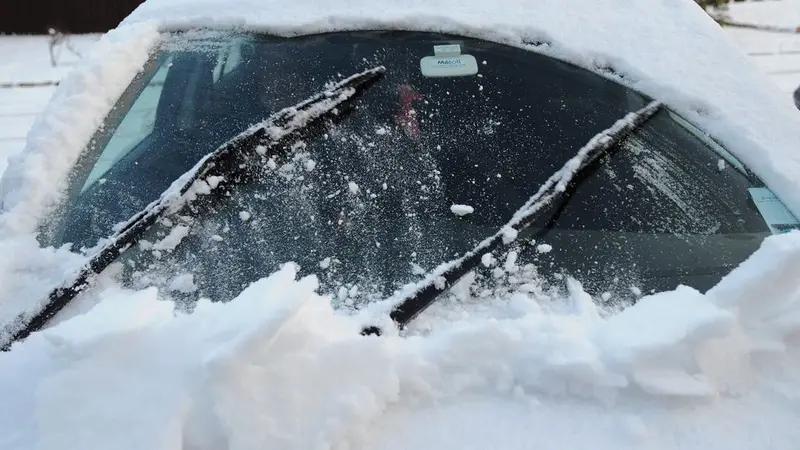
410	301
223	162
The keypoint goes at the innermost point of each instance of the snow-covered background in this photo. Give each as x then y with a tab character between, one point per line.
776	53
27	81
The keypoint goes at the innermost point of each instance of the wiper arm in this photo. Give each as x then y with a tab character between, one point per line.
411	300
222	162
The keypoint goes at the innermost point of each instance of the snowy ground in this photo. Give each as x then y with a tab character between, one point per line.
26	60
776	53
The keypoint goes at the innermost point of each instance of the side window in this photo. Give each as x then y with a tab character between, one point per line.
137	125
140	121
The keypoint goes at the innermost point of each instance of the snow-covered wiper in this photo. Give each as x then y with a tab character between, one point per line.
411	300
223	165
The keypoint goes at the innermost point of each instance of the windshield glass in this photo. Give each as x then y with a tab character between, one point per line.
436	157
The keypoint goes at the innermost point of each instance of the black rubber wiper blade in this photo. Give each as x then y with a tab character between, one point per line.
266	134
223	162
408	302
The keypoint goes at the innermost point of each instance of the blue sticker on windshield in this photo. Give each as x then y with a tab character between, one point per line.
778	218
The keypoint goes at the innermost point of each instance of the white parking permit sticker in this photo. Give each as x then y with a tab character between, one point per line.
775	214
448	62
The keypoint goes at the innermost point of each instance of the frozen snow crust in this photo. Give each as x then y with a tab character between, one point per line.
278	368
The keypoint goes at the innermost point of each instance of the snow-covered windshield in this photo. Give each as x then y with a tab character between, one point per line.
429	164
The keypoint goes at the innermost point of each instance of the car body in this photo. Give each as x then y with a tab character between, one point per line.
259	133
729	124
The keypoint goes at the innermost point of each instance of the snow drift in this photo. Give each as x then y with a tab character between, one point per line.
277	367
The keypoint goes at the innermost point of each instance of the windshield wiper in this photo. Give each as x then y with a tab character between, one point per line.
225	162
409	301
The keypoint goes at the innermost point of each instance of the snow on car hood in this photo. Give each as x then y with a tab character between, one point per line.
278	368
